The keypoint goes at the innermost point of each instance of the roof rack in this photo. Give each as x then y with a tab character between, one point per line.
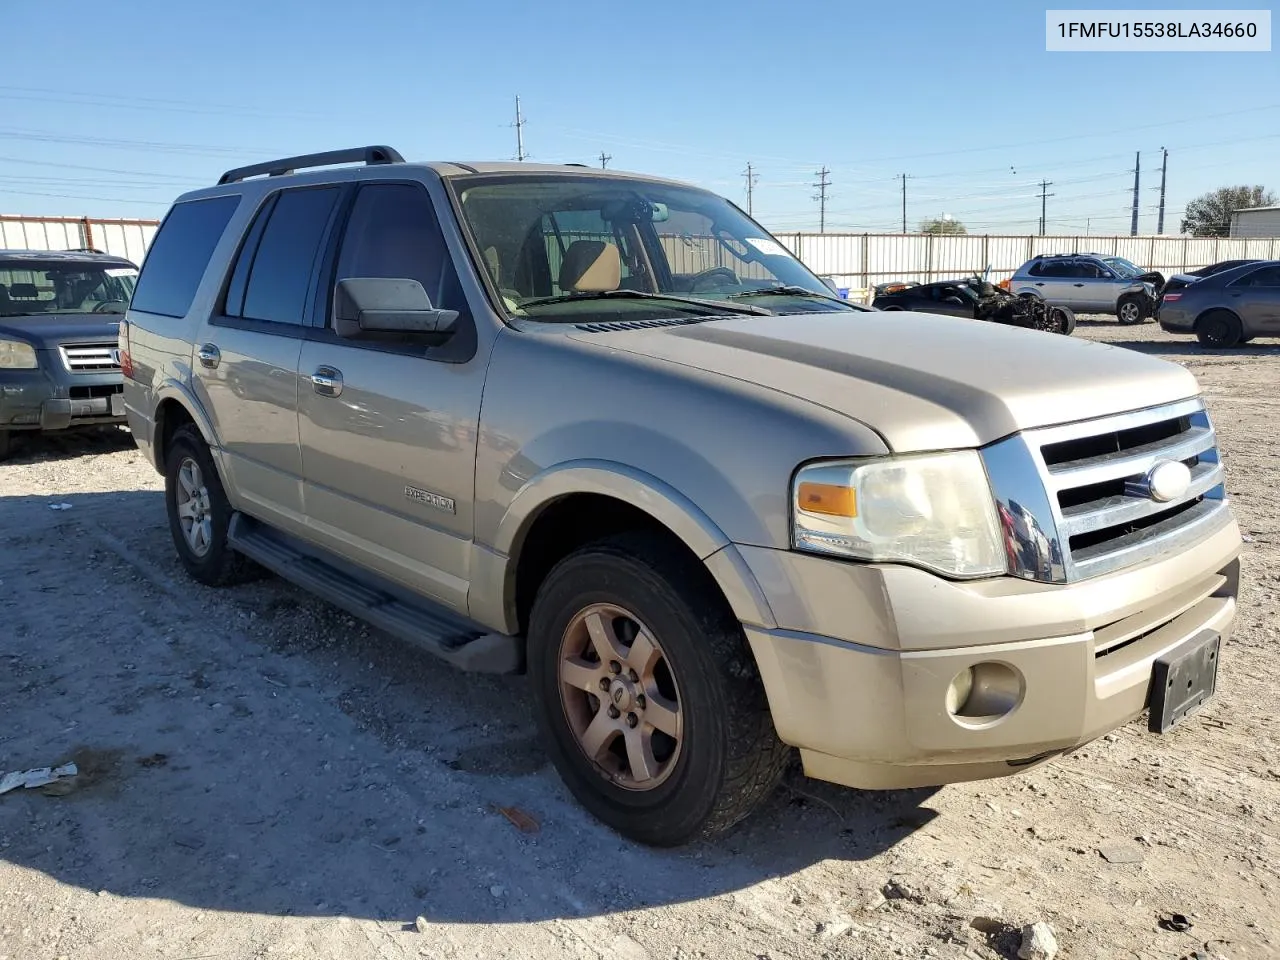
84	250
279	168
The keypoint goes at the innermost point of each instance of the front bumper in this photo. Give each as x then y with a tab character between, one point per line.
49	398
858	669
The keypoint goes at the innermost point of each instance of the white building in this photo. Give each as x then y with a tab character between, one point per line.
1256	222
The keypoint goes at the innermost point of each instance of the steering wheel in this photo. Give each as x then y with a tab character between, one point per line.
712	272
107	303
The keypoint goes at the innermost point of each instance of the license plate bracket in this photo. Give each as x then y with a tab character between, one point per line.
1183	679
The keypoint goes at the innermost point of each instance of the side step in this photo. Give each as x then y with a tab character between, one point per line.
462	642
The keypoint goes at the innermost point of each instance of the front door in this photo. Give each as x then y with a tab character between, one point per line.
387	423
246	362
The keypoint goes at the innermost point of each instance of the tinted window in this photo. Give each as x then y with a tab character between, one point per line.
393	232
1266	277
281	270
1056	268
179	255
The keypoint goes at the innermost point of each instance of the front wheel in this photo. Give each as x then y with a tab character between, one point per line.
647	695
1131	311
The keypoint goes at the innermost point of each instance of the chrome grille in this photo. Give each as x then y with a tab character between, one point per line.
1096	512
90	357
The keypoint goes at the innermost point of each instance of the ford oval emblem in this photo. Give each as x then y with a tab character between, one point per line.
1168	480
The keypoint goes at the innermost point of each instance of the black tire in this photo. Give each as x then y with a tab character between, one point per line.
6	444
218	565
1066	320
1132	310
729	758
1219	329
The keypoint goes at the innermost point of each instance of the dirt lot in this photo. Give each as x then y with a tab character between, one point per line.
261	775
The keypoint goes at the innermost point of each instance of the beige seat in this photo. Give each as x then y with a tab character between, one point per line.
590	266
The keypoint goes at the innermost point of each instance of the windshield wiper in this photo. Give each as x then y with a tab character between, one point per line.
786	290
642	295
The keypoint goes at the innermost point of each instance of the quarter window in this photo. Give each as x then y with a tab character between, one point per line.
179	255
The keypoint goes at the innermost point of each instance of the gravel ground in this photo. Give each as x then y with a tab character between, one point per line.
262	775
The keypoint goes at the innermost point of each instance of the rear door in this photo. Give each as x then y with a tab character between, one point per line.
1255	297
1049	279
246	365
387	423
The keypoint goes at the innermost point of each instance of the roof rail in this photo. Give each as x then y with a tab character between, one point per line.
279	168
84	250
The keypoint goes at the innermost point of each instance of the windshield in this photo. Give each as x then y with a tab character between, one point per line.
1123	267
30	288
582	248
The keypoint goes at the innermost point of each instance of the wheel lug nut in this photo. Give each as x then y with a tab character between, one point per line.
613	711
604	684
632	719
615	667
640	701
635	677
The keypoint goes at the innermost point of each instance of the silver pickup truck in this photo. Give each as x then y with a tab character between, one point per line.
604	429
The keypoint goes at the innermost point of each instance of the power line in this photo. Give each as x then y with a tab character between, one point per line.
752	178
821	197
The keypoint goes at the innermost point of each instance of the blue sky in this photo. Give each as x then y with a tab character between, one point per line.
112	111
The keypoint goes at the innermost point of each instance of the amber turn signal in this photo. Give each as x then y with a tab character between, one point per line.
829	499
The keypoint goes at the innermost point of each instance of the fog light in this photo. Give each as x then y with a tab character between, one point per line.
984	693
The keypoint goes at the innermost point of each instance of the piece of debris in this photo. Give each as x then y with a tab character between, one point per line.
497	891
155	760
1115	853
830	929
420	924
1038	942
519	819
897	889
1174	922
59	506
39	777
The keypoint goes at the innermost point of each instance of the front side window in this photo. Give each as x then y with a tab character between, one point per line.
577	247
393	232
1123	268
31	287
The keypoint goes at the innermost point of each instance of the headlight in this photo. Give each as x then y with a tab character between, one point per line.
934	511
17	355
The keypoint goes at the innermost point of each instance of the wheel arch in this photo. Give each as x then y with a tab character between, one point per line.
573	504
174	407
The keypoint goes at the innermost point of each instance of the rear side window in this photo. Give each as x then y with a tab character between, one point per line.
1266	277
179	255
273	273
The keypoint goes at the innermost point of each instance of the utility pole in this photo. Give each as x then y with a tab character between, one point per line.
1137	176
604	160
1044	195
1164	169
821	196
903	178
751	177
520	154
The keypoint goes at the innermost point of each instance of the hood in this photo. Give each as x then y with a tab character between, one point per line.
923	382
48	329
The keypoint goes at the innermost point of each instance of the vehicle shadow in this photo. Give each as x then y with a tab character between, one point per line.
253	749
32	446
1192	348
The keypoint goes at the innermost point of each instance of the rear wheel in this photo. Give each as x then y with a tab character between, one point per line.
1219	329
199	512
647	695
1132	310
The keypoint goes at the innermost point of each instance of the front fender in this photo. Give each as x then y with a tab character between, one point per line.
493	593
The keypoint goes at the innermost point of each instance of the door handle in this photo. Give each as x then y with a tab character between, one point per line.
209	355
1077	284
1039	284
327	381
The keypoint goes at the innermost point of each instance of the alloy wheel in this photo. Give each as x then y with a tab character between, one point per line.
194	510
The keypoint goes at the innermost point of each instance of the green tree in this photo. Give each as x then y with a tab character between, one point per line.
1209	215
943	227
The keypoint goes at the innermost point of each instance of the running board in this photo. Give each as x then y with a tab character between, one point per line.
462	642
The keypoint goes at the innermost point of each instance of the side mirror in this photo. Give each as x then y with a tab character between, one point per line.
831	284
388	305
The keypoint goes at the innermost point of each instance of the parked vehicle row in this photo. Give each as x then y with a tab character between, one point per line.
603	429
